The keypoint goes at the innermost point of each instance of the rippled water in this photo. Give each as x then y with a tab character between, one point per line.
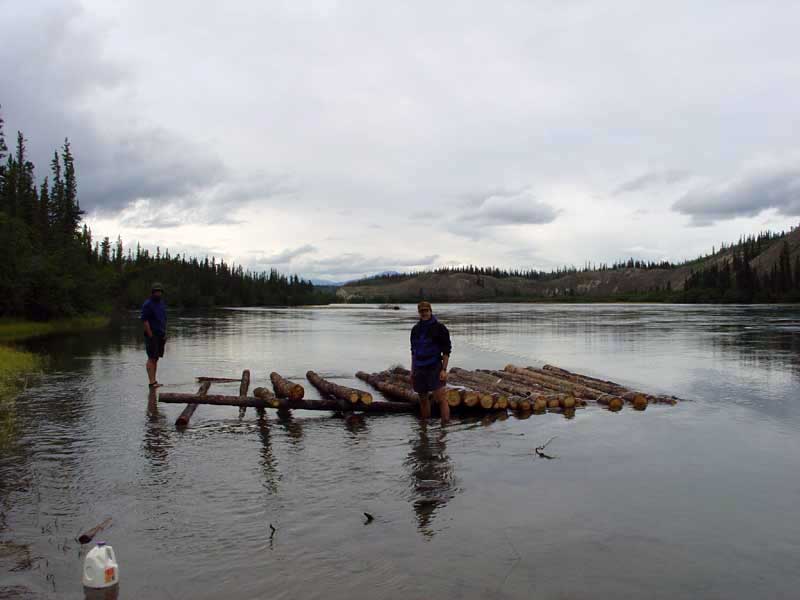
697	500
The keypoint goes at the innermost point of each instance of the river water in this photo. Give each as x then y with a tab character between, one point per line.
699	500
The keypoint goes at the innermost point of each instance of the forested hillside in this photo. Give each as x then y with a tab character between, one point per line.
758	268
50	265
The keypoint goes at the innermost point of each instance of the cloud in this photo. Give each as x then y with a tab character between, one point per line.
501	209
653	178
287	256
767	187
151	175
349	265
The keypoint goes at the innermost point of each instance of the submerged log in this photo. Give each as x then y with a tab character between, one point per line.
389	389
183	418
218	379
284	403
285	388
243	387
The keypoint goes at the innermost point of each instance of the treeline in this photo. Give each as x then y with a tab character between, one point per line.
530	274
51	267
734	279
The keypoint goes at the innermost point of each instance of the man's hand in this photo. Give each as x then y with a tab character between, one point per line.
443	375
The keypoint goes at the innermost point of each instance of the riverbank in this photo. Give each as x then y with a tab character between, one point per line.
19	330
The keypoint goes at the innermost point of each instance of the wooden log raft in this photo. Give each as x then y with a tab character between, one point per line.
637	398
340	392
283	403
183	418
285	388
388	388
243	387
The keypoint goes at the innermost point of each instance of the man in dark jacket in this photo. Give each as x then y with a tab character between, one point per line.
430	353
154	317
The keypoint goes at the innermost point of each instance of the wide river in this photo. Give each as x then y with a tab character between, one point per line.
698	500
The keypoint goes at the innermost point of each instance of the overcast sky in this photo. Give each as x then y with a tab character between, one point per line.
337	139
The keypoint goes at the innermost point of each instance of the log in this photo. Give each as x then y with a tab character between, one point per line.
217	379
284	403
486	382
555	383
486	401
340	392
243	387
453	397
88	536
389	389
470	398
640	400
285	388
500	402
183	418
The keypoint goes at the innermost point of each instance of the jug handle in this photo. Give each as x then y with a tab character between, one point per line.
110	553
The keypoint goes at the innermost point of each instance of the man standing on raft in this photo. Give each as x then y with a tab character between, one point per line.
154	316
430	353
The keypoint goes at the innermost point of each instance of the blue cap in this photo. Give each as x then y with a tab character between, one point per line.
100	544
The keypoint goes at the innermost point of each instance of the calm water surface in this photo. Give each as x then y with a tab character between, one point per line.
701	500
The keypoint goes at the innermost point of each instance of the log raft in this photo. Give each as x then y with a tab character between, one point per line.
283	403
339	392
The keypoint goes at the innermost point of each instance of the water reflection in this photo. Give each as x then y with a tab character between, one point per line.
157	441
267	459
432	476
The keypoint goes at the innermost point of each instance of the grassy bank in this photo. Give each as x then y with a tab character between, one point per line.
17	331
16	363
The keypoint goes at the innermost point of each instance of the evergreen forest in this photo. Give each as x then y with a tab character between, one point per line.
53	268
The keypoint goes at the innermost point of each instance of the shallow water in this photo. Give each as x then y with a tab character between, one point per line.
697	500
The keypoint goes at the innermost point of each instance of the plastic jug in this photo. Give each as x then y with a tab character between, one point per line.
100	568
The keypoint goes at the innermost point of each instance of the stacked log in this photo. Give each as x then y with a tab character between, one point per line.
183	418
548	397
285	388
340	392
389	388
638	399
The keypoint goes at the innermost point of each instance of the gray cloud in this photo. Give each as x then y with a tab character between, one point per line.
500	209
349	265
776	187
651	179
287	256
54	50
520	208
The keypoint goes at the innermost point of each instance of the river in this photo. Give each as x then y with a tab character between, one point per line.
698	500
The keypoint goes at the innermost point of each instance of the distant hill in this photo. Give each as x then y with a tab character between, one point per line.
618	283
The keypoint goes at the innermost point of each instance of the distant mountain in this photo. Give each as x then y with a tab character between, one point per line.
326	283
622	282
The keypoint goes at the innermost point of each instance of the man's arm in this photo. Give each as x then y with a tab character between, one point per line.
147	331
445	360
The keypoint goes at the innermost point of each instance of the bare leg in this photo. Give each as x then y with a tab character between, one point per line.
152	365
425	405
440	398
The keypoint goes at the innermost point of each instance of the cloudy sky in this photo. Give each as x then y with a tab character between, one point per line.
336	139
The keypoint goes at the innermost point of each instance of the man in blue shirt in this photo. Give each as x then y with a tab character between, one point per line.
154	317
430	353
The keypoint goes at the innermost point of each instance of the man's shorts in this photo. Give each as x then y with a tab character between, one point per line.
155	346
426	379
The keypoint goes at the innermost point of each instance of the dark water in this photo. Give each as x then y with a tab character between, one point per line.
701	500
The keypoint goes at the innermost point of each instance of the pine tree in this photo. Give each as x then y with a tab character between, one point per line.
72	208
3	152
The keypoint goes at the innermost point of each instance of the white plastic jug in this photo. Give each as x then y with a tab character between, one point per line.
100	568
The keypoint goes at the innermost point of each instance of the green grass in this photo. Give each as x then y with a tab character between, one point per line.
15	331
14	364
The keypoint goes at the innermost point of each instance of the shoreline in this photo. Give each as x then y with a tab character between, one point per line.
19	330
